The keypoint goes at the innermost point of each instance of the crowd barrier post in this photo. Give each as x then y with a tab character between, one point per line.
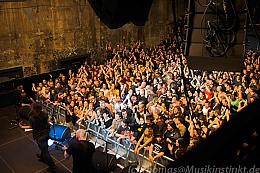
140	161
154	164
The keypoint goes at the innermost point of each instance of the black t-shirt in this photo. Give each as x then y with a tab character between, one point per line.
142	99
159	146
108	123
59	90
121	130
163	97
172	135
39	124
198	114
82	152
25	100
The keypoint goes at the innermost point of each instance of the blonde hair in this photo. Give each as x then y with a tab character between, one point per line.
150	132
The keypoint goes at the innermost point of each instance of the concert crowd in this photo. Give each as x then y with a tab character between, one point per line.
149	96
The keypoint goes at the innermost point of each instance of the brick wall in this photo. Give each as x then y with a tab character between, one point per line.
36	33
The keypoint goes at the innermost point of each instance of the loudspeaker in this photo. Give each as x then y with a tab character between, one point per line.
216	37
104	162
116	13
73	62
25	112
60	132
13	73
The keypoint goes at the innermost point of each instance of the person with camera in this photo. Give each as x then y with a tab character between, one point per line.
39	122
180	148
171	134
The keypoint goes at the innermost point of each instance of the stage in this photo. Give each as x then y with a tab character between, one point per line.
18	149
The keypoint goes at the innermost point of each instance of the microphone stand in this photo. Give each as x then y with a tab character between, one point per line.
16	121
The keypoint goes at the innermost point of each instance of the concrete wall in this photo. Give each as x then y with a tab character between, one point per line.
36	33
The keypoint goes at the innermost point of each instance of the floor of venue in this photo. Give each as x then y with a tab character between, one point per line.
18	149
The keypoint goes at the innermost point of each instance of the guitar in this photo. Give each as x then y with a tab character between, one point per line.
59	144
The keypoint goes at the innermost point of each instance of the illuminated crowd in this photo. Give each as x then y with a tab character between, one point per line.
149	96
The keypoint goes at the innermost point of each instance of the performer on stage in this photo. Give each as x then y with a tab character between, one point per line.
82	152
25	100
39	122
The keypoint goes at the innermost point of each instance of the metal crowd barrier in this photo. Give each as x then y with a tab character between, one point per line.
123	149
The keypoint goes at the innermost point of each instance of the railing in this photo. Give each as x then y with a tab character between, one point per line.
123	149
